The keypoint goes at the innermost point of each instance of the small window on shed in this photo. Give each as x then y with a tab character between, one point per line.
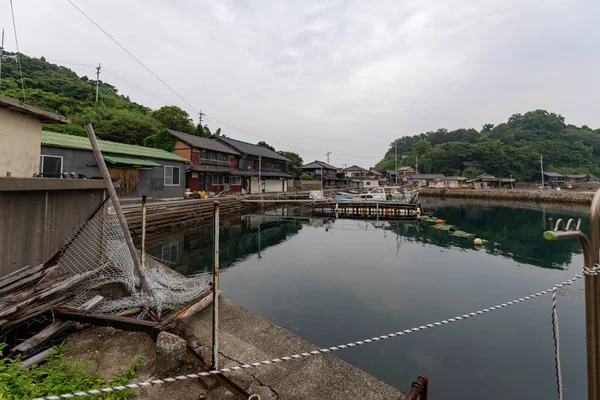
51	166
172	176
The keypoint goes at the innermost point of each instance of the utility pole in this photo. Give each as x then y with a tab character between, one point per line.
542	165
200	115
322	188
259	174
417	164
327	154
1	52
396	151
97	80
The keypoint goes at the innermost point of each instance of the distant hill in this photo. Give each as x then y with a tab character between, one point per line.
510	148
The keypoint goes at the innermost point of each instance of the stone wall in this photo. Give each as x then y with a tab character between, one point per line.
548	195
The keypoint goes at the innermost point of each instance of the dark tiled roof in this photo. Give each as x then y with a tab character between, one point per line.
216	169
424	176
43	115
252	149
374	171
317	165
555	174
356	168
202	143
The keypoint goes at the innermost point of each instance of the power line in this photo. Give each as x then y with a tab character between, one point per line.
131	55
12	10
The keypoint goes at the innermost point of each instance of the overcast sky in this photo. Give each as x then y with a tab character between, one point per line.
348	76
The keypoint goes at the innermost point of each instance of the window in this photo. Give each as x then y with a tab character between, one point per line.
51	166
172	176
217	179
235	180
227	179
368	183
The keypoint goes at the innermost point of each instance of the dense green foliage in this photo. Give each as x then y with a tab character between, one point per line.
114	117
262	143
306	177
295	164
511	148
57	376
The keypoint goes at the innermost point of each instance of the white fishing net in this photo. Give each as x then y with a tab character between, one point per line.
97	250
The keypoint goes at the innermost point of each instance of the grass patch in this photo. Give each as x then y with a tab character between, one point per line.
58	376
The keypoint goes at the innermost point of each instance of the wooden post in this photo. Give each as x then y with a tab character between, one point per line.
120	216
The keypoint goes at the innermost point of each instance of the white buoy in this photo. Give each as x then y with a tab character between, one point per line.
477	242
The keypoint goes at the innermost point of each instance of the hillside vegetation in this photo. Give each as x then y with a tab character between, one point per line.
510	148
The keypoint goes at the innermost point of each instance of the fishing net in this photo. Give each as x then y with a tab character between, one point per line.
97	251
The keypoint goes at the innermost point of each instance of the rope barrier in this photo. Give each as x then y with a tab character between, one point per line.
586	271
555	334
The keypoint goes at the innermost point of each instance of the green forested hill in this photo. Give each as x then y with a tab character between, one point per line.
512	147
114	117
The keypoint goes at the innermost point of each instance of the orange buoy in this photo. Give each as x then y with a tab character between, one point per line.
439	221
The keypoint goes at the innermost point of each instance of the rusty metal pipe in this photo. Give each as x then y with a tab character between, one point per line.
419	389
215	333
592	301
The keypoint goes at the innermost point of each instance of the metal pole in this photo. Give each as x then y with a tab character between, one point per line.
322	188
97	79
396	147
1	52
542	167
592	302
117	206
259	175
144	231
215	332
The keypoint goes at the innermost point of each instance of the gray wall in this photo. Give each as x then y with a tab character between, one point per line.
37	215
150	180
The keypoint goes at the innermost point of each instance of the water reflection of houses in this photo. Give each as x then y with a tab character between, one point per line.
190	251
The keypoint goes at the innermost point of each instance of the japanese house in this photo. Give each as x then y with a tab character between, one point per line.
20	137
484	181
330	173
359	177
449	182
422	180
139	170
472	166
257	162
550	178
390	174
577	178
212	167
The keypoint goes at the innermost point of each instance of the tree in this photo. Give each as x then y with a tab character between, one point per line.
294	166
175	118
161	140
487	128
262	143
421	147
306	177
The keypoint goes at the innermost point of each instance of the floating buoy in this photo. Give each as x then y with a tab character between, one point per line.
439	221
478	242
451	229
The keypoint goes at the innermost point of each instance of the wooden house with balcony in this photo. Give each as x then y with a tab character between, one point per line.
329	172
213	166
264	170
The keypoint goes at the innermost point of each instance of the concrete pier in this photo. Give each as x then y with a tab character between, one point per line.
244	337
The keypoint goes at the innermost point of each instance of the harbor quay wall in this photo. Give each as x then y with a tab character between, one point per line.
546	196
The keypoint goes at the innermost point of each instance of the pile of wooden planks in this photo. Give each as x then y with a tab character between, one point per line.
179	214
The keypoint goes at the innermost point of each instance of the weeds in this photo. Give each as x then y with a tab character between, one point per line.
58	376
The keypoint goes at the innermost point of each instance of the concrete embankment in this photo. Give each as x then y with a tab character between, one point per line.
547	196
244	338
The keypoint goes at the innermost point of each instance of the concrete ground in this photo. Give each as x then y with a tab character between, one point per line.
244	338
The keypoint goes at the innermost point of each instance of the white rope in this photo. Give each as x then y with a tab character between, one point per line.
592	271
556	335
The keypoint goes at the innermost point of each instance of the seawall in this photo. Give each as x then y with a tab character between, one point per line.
546	196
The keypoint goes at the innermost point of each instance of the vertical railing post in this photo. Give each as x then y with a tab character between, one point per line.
215	332
592	302
143	231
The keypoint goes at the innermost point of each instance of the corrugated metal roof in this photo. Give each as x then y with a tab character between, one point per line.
120	160
202	143
318	164
83	143
556	174
252	149
356	168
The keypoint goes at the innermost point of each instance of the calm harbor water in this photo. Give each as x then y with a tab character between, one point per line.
332	282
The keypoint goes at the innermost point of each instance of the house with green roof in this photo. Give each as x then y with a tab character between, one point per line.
139	170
